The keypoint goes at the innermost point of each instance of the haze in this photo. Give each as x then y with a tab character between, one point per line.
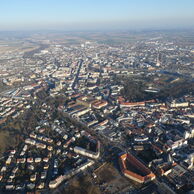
95	14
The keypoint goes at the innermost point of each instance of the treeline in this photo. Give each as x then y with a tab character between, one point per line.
176	89
135	90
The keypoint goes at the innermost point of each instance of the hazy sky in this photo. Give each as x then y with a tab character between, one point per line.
95	14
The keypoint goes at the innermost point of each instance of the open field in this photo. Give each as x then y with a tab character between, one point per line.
4	141
16	46
112	181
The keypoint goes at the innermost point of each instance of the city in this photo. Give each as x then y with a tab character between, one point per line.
84	107
97	97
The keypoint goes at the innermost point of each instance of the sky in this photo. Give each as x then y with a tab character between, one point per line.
95	14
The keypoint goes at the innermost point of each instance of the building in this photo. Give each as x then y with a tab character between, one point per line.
100	104
88	153
53	184
86	101
176	104
131	104
133	169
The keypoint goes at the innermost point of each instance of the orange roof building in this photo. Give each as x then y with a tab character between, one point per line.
131	104
133	169
100	104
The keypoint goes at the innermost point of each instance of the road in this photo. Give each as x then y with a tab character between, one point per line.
77	74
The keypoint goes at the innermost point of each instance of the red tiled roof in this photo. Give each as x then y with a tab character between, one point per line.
130	158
